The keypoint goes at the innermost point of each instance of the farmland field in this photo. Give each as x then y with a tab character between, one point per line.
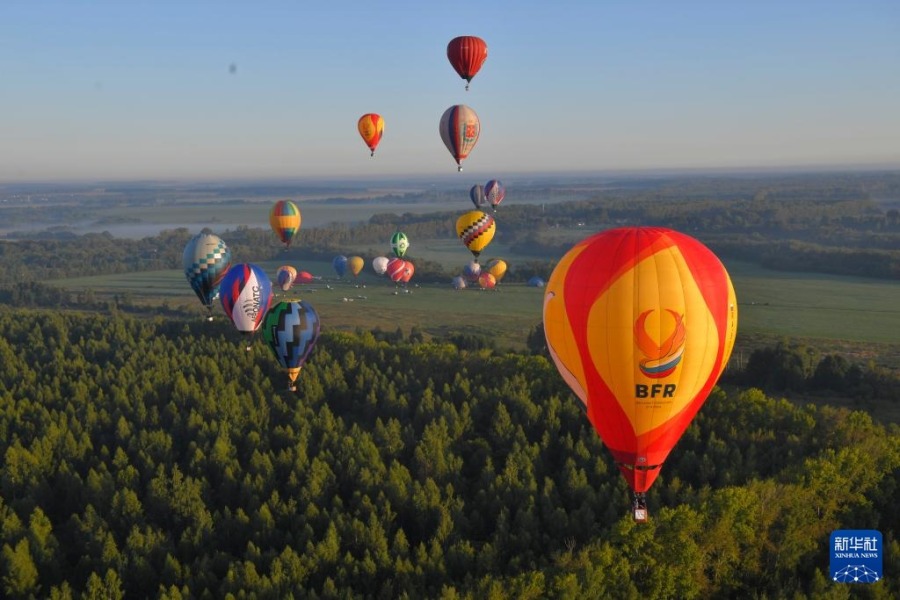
833	311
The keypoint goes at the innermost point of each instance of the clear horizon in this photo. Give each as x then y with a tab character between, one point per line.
206	91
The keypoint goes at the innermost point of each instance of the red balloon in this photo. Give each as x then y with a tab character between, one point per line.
467	53
408	272
396	269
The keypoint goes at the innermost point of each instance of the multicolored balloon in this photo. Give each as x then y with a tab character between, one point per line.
371	128
285	277
246	293
355	264
640	322
494	193
476	195
467	53
399	244
459	130
487	281
379	264
285	221
472	270
291	330
497	268
476	230
339	263
206	259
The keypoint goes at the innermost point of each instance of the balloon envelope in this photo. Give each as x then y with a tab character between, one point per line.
494	193
471	271
458	282
497	268
285	277
396	269
535	282
355	264
379	264
291	330
408	272
466	54
459	130
206	259
304	277
476	230
340	265
640	322
399	244
476	195
371	128
284	218
246	293
486	281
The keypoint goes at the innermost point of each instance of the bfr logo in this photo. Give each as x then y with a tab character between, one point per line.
856	556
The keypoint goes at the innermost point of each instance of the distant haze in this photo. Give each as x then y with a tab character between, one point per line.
224	90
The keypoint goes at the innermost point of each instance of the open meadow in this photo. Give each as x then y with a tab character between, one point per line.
854	315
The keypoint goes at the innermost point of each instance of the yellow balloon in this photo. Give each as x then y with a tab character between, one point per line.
355	264
476	230
497	268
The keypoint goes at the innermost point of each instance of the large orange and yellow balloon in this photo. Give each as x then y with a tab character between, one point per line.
640	322
476	230
285	220
371	128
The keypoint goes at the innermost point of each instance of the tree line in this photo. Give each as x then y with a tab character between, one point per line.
156	457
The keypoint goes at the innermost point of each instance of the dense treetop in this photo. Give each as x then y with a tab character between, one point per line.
156	457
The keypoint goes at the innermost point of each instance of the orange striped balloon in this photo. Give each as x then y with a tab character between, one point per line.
640	322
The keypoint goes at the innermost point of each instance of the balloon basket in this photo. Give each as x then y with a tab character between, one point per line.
640	515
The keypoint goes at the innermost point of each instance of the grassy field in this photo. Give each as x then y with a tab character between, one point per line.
860	317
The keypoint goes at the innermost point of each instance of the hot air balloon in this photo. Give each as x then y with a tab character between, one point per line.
379	264
408	272
460	129
340	265
476	230
535	282
304	277
487	281
640	322
371	128
472	270
246	293
497	268
355	264
396	269
467	53
399	244
458	282
206	259
291	330
476	194
494	193
285	277
285	221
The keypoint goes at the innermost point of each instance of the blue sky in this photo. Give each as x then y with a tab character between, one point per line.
142	90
